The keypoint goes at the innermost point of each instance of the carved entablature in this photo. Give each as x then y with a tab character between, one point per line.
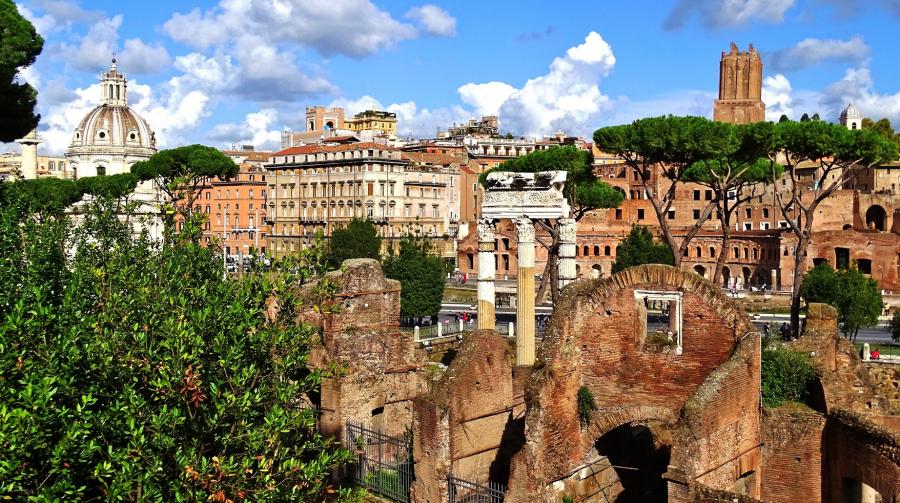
530	195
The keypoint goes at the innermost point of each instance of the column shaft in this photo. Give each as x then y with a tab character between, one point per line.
525	294
487	268
567	238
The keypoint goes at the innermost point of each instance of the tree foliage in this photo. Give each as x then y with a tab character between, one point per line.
661	149
359	239
20	44
883	127
895	326
856	297
785	376
180	173
133	371
421	276
638	248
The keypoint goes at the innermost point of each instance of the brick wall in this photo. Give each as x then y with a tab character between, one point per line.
860	450
792	454
599	344
460	424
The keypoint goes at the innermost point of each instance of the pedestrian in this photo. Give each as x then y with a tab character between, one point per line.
766	330
874	354
784	331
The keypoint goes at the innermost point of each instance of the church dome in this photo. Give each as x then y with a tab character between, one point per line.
113	124
851	112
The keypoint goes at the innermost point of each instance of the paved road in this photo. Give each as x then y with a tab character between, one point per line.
873	335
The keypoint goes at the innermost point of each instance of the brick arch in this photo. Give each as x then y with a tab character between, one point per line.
593	342
860	450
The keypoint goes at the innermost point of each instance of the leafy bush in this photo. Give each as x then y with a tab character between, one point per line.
856	297
586	405
421	276
134	371
895	326
785	376
638	248
658	341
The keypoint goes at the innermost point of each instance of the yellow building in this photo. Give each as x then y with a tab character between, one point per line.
374	120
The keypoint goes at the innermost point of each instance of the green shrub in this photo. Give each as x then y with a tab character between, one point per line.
785	376
586	405
133	371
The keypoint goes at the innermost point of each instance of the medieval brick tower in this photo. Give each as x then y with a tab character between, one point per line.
740	87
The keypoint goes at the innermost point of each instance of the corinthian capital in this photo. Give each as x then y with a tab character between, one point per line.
485	231
525	229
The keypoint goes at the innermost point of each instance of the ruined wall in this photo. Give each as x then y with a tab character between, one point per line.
718	439
886	378
792	454
381	370
859	450
599	344
461	422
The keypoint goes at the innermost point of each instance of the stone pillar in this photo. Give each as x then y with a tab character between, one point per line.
868	494
567	238
525	294
866	352
773	286
487	268
29	155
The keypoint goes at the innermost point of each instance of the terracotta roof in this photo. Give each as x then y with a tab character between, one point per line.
315	148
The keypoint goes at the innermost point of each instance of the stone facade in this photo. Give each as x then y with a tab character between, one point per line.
381	371
740	87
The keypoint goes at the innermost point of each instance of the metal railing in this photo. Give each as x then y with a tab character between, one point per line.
384	463
465	491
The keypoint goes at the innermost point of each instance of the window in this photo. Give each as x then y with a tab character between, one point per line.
640	213
748	212
101	170
765	212
596	250
250	194
709	195
671	215
618	214
699	252
585	251
712	251
748	226
606	250
696	195
207	194
696	214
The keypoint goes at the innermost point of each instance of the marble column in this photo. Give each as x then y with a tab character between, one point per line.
487	269
525	293
567	238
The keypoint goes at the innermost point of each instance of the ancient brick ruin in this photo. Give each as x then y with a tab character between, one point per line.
673	419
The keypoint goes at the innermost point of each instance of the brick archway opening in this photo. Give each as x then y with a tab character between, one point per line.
876	218
638	459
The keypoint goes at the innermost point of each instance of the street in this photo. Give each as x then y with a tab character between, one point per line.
873	335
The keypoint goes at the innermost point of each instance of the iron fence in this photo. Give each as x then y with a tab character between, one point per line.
384	462
465	491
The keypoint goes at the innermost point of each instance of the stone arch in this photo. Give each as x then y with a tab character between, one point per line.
596	271
726	276
699	269
876	218
594	342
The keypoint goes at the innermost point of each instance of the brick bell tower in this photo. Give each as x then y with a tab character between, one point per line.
740	87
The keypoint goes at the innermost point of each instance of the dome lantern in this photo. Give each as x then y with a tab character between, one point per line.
113	87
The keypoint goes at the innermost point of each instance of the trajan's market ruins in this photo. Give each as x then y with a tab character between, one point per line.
482	416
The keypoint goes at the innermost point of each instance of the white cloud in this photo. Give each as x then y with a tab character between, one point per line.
727	13
433	19
567	97
776	94
486	98
56	14
255	130
678	102
43	24
857	85
349	27
812	51
141	58
96	47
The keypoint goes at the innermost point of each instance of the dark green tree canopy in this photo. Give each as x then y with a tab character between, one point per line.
186	164
20	44
421	276
638	248
855	296
359	239
818	140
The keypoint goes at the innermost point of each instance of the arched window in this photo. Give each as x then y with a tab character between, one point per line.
746	252
737	252
101	170
596	250
699	251
585	251
712	251
607	250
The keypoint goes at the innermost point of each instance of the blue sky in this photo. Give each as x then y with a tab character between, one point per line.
240	71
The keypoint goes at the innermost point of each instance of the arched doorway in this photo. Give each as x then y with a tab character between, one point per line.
876	218
639	460
726	277
699	269
747	273
596	271
577	270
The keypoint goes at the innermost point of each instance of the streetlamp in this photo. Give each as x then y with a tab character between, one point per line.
224	246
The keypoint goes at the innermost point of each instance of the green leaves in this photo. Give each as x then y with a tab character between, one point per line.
359	239
134	371
638	248
785	376
188	161
20	44
855	296
421	276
